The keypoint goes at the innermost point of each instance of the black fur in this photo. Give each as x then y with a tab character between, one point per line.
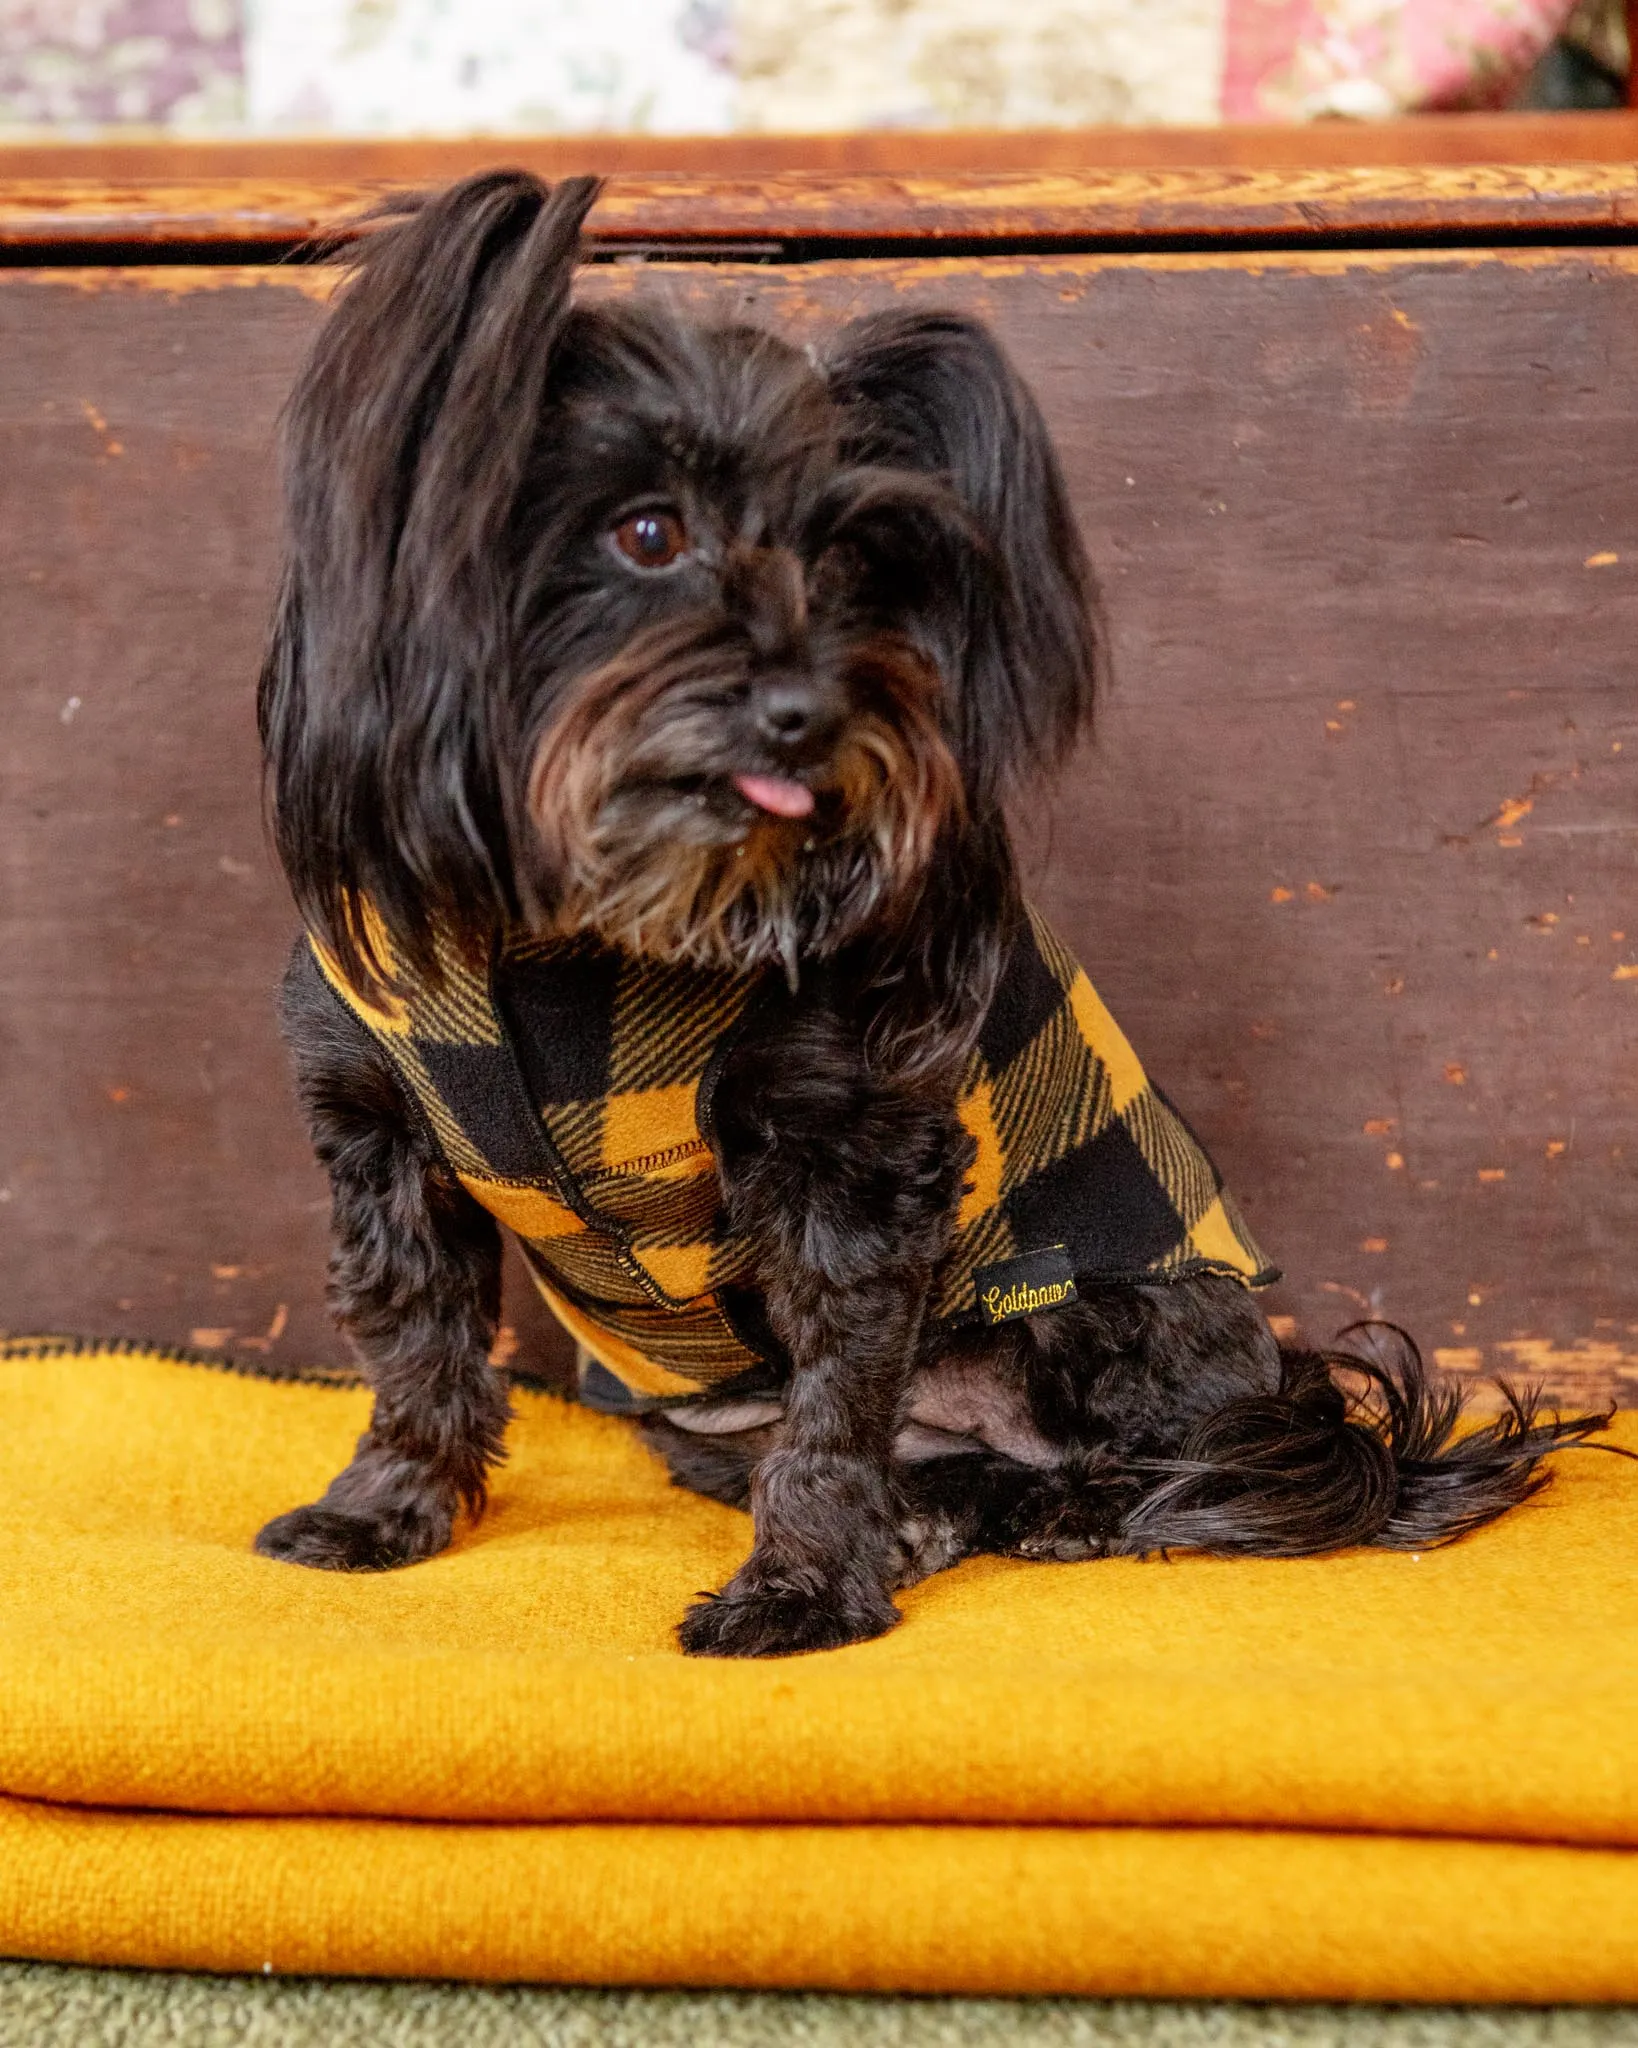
489	699
415	1280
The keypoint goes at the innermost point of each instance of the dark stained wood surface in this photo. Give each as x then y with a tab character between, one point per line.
1420	139
815	210
1353	860
1630	10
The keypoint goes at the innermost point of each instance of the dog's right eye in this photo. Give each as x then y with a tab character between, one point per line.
651	540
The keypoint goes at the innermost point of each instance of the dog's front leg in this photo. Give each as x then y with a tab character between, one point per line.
826	1554
849	1185
415	1282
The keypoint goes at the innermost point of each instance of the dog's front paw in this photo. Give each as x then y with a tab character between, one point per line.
336	1540
779	1621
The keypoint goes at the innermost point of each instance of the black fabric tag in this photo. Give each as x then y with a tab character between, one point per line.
1025	1286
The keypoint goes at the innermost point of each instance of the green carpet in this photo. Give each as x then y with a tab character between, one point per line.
46	2006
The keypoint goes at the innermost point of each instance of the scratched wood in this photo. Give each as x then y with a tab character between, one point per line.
1422	139
1353	859
815	208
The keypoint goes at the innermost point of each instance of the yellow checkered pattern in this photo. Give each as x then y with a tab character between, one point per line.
1074	1106
569	1089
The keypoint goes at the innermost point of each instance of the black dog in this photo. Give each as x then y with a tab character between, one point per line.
640	709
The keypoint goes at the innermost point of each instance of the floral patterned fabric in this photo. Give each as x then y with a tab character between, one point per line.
101	63
397	67
837	64
461	66
1295	60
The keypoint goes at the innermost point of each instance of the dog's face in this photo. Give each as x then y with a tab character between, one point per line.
671	632
738	726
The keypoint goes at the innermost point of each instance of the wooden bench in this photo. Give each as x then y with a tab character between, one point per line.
1352	859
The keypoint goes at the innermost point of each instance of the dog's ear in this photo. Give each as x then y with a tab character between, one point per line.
383	705
932	392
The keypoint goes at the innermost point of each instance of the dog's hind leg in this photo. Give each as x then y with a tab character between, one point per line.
948	1505
415	1282
1055	1415
1167	1417
719	1464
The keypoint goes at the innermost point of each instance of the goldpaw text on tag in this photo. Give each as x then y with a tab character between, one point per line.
1025	1286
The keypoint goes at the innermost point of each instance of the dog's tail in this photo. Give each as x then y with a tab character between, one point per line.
1314	1467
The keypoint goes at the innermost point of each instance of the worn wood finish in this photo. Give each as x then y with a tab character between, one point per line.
817	210
1419	139
1353	860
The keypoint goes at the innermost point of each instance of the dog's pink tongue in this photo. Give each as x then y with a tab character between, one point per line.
772	793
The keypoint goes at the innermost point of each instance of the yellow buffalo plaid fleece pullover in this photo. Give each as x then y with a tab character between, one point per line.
570	1090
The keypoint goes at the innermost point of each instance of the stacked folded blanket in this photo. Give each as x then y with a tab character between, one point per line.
1367	1776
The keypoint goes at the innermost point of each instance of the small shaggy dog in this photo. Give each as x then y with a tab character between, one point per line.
641	705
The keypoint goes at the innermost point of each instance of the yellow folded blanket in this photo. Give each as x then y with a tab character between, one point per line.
1374	1775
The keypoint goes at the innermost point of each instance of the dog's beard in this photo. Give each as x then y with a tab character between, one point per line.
648	843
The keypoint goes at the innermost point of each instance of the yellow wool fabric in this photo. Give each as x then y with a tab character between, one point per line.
1373	1775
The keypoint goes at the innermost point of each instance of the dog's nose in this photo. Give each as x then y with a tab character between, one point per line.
792	712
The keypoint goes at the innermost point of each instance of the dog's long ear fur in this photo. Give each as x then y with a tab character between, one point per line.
932	392
406	440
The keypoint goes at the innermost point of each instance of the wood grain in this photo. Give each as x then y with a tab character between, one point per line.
820	211
1420	139
1353	859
